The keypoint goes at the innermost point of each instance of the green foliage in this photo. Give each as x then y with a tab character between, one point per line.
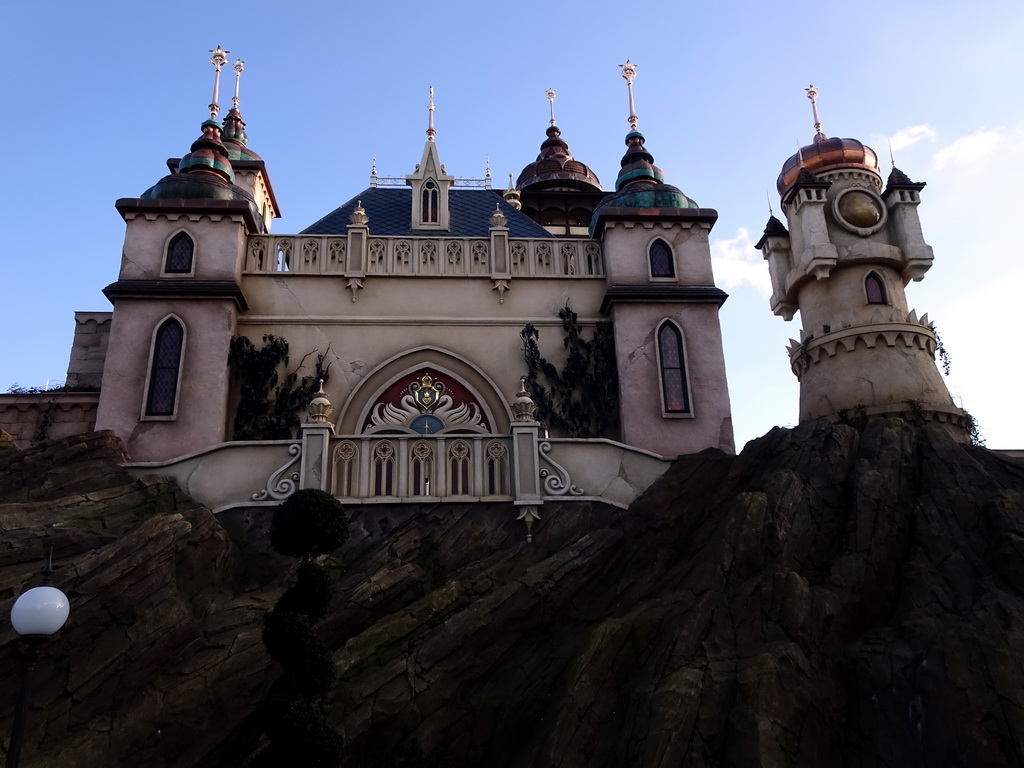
308	523
299	733
269	406
293	644
311	595
940	349
581	400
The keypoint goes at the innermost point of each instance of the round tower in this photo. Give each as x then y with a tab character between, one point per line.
851	248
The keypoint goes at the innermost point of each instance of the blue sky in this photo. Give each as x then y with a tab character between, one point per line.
95	103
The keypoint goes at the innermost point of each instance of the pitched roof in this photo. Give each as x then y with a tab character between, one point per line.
390	212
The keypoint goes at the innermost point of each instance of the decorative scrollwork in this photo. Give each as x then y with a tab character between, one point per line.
278	485
557	483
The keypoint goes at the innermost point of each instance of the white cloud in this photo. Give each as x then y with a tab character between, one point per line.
969	151
909	136
736	261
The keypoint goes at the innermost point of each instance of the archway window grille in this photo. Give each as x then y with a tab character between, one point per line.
874	288
163	376
179	254
660	255
675	394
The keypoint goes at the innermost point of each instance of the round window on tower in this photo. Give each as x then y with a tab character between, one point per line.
859	210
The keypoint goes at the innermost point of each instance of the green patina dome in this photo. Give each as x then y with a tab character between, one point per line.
640	183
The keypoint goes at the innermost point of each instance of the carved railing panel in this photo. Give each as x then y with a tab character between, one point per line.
326	254
402	467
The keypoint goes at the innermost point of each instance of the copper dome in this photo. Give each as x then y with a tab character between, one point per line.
827	155
556	167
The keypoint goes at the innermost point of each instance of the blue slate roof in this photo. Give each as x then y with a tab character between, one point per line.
390	212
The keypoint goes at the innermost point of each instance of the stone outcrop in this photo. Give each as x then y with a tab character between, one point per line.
834	595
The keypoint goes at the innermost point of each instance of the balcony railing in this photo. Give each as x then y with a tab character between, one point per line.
398	467
444	256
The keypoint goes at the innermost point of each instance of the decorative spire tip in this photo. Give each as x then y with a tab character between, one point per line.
551	101
812	94
218	59
430	117
628	74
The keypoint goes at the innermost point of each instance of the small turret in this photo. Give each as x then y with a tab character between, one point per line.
843	263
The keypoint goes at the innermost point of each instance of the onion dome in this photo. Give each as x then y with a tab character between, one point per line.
204	173
235	138
641	184
556	167
827	154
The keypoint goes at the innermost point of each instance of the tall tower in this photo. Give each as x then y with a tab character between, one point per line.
177	298
662	298
850	250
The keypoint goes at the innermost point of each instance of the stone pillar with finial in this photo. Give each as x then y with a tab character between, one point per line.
500	268
316	434
526	456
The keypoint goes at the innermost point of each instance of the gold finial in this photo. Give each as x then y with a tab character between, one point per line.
628	73
239	68
551	101
430	118
812	94
219	59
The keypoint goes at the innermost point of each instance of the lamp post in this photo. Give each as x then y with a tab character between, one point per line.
36	615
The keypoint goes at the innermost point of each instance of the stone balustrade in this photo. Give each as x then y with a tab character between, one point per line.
444	256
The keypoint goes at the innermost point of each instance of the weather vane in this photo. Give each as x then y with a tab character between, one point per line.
219	59
430	118
628	73
812	94
551	100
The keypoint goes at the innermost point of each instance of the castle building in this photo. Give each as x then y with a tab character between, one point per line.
412	300
426	306
850	250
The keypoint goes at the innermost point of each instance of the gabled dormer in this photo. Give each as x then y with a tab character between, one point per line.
430	184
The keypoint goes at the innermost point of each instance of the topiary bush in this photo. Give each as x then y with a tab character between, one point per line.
308	523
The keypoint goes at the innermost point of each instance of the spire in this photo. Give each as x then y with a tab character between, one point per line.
551	100
219	59
555	165
812	94
628	73
430	117
234	125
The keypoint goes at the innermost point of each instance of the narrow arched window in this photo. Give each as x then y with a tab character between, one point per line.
660	256
874	288
179	254
429	203
675	394
163	376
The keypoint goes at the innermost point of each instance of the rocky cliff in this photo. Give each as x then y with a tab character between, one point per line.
832	596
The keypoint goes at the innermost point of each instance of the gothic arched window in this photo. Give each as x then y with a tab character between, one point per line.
672	360
163	375
874	289
428	202
660	255
179	254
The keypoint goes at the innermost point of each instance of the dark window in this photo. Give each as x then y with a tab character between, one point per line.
661	260
179	254
875	289
163	378
673	370
429	203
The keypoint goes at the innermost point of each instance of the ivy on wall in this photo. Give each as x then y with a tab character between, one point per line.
269	406
581	399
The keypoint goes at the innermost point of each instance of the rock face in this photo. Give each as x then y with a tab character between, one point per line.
831	596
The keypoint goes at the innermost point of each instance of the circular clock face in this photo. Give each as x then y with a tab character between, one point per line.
859	211
427	424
